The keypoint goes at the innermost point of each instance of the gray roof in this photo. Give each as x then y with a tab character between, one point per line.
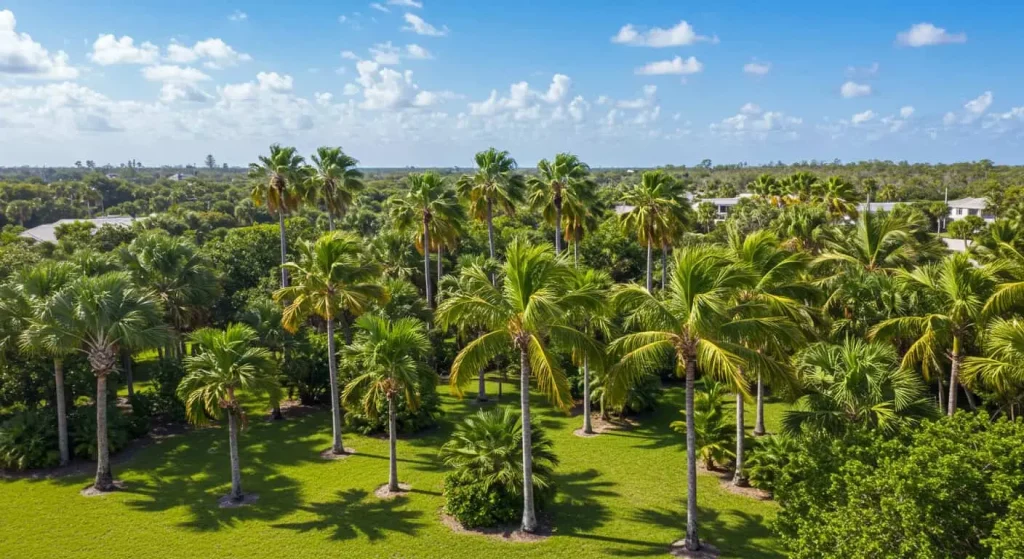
969	203
879	206
48	232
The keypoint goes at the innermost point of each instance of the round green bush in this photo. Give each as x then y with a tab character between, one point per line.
477	504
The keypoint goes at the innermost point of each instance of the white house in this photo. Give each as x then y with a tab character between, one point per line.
964	207
722	205
48	232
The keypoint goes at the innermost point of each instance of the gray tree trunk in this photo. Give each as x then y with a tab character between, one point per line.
576	253
393	443
236	468
332	366
330	220
588	427
759	419
739	477
481	389
664	265
129	379
440	269
954	382
529	515
942	396
490	233
692	541
426	264
62	414
284	247
104	477
650	271
558	227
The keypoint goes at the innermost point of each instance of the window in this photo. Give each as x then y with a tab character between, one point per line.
972	212
959	211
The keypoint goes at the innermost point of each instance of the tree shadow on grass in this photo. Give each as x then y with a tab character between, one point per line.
354	514
579	508
736	533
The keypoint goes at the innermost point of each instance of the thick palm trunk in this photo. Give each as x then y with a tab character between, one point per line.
664	265
588	427
954	377
739	477
284	247
759	417
129	380
692	541
332	366
529	516
236	468
426	264
650	276
104	477
558	227
392	441
62	414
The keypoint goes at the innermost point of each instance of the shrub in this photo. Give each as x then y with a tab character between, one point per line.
768	459
121	430
409	421
306	371
477	504
28	440
715	432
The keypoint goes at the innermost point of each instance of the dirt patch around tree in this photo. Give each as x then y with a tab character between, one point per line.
329	454
507	533
295	408
706	551
386	494
226	502
725	479
91	491
603	425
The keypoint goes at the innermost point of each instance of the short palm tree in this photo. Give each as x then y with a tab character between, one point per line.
102	315
277	183
429	204
549	187
713	428
838	197
769	188
495	183
332	280
334	180
655	214
392	356
525	314
1001	371
799	187
227	364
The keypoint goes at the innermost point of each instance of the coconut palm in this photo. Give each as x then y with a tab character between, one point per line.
334	180
276	182
956	291
392	356
655	213
581	212
712	427
549	185
495	183
102	315
225	365
333	280
525	314
430	204
1001	371
594	321
694	323
881	241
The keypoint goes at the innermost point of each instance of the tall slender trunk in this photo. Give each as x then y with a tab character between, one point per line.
426	263
332	366
481	389
284	247
392	442
650	277
330	220
62	414
490	233
440	269
692	541
588	428
954	376
104	477
739	477
576	253
529	516
970	400
759	419
236	468
129	380
664	265
942	396
558	226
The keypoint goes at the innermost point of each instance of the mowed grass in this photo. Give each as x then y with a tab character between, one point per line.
621	494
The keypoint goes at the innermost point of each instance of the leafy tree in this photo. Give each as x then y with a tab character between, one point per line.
210	162
335	181
276	182
1001	371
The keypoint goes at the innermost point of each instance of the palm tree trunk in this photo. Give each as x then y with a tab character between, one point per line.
236	468
664	265
332	366
954	376
759	419
62	414
692	542
529	516
330	220
440	270
126	359
576	253
650	281
284	247
426	264
942	397
588	427
558	227
490	233
393	442
104	477
739	477
481	389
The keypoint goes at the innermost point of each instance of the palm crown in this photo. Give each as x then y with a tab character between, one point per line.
334	180
566	175
277	179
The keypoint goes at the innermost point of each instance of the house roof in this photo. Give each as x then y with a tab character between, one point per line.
878	206
48	232
969	203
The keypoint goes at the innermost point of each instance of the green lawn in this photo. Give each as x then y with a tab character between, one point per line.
621	494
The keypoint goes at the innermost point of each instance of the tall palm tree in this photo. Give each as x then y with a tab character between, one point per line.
655	213
276	182
582	209
495	183
553	178
1002	369
333	280
597	320
429	204
23	302
391	354
227	364
527	312
102	315
956	291
694	323
335	181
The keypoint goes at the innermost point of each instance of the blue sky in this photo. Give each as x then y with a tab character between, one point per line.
405	82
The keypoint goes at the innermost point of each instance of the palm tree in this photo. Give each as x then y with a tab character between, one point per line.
553	178
528	311
800	186
956	290
838	197
655	213
333	280
276	180
710	424
392	356
226	364
880	241
335	181
429	204
495	183
1002	370
597	320
102	314
581	212
693	323
768	187
23	302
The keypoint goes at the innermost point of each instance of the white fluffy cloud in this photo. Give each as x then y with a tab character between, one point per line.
174	74
269	83
171	92
752	122
380	7
216	53
406	3
926	34
387	89
21	56
648	99
385	54
852	89
417	52
238	15
417	25
979	104
861	118
757	68
906	112
681	34
107	50
675	66
522	100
